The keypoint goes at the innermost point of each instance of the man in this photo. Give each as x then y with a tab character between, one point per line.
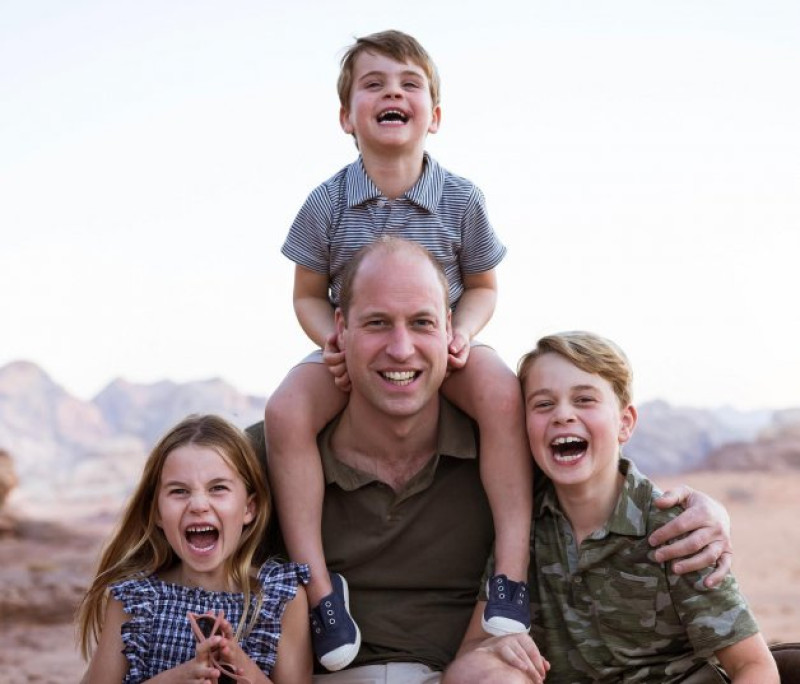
405	518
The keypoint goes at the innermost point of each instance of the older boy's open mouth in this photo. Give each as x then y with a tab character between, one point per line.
392	116
567	449
202	537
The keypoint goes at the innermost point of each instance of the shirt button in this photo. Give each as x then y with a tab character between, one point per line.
381	204
578	579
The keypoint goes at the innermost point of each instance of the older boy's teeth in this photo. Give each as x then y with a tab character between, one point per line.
565	440
568	449
399	377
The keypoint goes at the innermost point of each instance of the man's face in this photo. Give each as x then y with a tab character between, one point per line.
396	335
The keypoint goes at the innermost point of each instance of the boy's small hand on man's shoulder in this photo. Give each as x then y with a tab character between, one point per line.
334	360
458	351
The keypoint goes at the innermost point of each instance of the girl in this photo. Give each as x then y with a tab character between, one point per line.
175	598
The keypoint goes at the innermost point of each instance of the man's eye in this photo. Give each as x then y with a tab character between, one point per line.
424	323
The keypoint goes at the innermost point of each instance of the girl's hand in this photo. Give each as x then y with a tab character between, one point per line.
334	360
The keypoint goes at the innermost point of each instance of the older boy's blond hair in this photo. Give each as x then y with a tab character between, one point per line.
589	352
395	44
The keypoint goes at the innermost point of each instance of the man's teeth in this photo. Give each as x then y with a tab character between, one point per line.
400	377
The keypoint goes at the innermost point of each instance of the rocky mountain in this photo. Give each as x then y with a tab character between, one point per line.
83	457
672	439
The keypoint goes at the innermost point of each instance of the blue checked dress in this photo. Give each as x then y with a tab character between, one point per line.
159	637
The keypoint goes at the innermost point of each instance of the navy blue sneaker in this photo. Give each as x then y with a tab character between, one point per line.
508	609
334	634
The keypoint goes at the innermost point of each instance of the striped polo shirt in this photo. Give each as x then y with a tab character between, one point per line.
443	212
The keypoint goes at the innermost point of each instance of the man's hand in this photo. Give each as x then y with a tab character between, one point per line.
334	360
707	527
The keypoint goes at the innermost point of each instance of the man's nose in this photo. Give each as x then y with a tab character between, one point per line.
400	345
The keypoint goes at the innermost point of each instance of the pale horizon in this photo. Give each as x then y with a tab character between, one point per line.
640	160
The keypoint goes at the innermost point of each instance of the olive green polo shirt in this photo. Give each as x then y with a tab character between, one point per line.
413	558
607	612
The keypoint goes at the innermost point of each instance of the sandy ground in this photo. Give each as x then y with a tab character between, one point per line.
44	568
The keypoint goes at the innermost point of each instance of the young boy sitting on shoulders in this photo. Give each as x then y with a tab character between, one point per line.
602	608
389	94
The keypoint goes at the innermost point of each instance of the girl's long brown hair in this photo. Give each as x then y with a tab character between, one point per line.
138	546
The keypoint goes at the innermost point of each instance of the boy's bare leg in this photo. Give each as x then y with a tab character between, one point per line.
297	411
488	391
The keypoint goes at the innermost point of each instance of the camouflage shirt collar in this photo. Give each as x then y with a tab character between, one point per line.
629	517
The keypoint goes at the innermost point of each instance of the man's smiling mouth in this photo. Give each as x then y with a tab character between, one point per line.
399	377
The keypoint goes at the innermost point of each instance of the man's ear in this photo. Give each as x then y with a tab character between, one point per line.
628	419
449	326
341	325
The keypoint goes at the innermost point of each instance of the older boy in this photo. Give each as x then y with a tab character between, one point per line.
603	609
389	94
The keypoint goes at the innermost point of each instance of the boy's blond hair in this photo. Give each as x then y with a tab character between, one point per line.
589	352
395	44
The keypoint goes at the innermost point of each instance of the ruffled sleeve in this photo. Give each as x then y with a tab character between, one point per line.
279	582
136	596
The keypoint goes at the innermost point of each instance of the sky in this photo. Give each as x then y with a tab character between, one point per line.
640	160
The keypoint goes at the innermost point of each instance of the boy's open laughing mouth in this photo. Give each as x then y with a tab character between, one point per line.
393	116
568	449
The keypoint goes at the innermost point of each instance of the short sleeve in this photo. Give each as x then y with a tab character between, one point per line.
279	582
481	248
308	241
136	597
714	618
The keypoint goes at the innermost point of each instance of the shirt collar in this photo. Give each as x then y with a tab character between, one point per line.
426	192
455	439
629	517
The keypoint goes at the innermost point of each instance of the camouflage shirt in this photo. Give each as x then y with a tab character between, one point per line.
607	612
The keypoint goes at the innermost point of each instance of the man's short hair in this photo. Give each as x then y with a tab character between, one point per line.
386	244
589	352
395	44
